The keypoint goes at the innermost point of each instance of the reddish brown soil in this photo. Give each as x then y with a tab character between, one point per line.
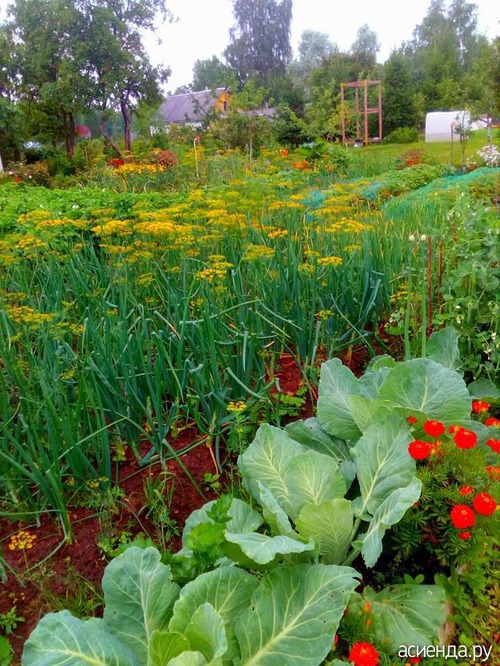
61	570
54	574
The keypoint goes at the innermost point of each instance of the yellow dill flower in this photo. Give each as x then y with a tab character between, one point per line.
278	233
31	242
323	315
330	261
23	314
308	269
255	252
236	407
23	540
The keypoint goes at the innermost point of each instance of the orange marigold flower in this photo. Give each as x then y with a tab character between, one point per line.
479	406
494	444
466	490
484	504
364	654
492	422
494	472
465	439
434	428
462	516
419	450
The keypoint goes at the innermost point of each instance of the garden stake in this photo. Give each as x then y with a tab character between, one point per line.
440	276
429	285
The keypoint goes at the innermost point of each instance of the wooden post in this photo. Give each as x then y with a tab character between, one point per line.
365	85
342	111
380	111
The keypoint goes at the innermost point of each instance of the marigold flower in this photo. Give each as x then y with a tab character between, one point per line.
462	516
465	439
494	444
364	654
484	504
466	490
494	472
479	406
434	428
464	535
492	422
411	419
419	450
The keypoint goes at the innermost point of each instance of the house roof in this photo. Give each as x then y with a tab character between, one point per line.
189	107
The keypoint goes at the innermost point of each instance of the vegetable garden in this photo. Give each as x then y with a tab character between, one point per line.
260	398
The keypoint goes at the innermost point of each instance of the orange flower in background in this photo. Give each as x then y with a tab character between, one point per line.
419	450
465	439
466	490
462	516
479	406
364	654
493	444
484	504
434	428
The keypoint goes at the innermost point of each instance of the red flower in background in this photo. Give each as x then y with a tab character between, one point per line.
479	406
484	504
411	419
419	450
462	516
465	439
466	490
364	654
434	428
464	535
492	421
494	444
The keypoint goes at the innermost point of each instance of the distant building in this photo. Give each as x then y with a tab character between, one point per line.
192	108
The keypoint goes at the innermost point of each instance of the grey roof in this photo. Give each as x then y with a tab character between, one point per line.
189	107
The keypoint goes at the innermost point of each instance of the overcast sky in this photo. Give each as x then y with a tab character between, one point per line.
202	28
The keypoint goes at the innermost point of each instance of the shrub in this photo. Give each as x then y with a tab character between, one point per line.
402	135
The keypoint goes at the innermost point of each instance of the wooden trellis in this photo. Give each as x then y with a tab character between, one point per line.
361	114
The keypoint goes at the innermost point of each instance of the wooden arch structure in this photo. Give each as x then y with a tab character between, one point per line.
363	113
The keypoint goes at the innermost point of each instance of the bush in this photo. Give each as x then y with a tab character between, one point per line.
403	135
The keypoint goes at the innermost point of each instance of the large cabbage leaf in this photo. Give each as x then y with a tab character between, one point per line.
60	639
139	595
294	615
227	589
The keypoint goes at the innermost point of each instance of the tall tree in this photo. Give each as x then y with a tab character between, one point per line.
399	108
117	60
211	73
260	40
365	47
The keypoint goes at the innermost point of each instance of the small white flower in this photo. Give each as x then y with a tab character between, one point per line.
411	237
423	237
75	206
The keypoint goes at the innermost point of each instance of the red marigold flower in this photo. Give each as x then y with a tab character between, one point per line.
462	516
415	660
494	472
493	444
492	421
465	439
464	535
419	450
479	406
411	419
284	152
484	504
434	428
466	490
364	654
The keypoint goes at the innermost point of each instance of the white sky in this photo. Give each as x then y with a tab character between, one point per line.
202	29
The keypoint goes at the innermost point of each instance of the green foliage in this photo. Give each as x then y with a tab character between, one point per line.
10	620
402	135
260	40
6	653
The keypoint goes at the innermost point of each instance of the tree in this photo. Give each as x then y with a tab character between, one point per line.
365	47
47	56
260	40
117	61
212	74
398	94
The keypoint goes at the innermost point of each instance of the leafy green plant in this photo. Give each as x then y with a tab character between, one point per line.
6	654
10	620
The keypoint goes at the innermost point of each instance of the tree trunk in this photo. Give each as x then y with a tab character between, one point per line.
126	123
107	138
69	132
